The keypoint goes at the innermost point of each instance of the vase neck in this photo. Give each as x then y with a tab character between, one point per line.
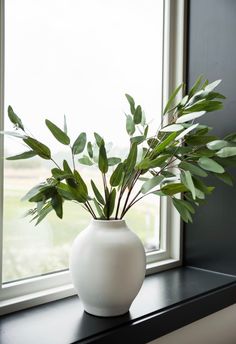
108	224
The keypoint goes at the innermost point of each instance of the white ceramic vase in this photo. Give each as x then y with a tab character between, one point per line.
107	265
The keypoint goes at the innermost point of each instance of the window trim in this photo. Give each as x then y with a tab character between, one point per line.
30	292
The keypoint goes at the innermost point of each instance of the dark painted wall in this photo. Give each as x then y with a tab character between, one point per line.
210	242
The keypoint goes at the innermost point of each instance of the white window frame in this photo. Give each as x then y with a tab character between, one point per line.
33	291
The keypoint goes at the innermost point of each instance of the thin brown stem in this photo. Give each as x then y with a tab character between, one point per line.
55	163
135	178
89	208
118	204
119	199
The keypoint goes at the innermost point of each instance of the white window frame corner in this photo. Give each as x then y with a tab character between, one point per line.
34	291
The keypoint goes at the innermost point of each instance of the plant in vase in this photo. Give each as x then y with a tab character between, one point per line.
107	259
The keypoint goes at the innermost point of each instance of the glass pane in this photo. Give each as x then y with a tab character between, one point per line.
79	58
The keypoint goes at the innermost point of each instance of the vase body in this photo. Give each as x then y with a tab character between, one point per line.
107	265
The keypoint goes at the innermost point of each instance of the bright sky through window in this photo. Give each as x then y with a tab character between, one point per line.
79	58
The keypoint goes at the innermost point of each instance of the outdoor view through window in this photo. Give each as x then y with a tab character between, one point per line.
78	58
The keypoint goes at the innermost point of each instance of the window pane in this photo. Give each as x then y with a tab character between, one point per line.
79	58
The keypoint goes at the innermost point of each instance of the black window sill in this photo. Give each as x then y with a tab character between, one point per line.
166	302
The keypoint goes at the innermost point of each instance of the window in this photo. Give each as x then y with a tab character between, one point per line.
79	58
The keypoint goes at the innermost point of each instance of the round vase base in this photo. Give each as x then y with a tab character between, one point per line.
106	312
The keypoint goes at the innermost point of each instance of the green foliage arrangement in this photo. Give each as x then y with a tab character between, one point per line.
175	160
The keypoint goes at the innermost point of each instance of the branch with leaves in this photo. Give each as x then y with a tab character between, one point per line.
176	160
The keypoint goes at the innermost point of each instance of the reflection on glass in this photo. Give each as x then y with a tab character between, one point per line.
79	58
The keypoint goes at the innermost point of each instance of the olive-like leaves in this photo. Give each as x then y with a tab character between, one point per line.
60	135
38	147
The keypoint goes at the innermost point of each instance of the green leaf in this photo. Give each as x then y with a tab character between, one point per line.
85	161
172	98
90	149
77	193
138	139
43	213
183	101
231	137
106	194
97	193
186	179
200	194
147	163
217	144
65	191
113	161
205	105
79	144
146	131
59	174
44	193
190	116
179	150
25	155
14	118
168	174
13	133
188	205
196	86
32	192
186	131
172	128
38	147
81	184
130	127
215	95
202	187
226	152
151	183
206	82
99	209
109	207
102	160
152	142
226	178
172	189
138	115
210	165
116	176
202	152
131	159
56	203
188	196
131	103
202	131
210	87
195	140
58	133
78	188
192	169
99	140
143	179
67	168
161	146
182	209
112	199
